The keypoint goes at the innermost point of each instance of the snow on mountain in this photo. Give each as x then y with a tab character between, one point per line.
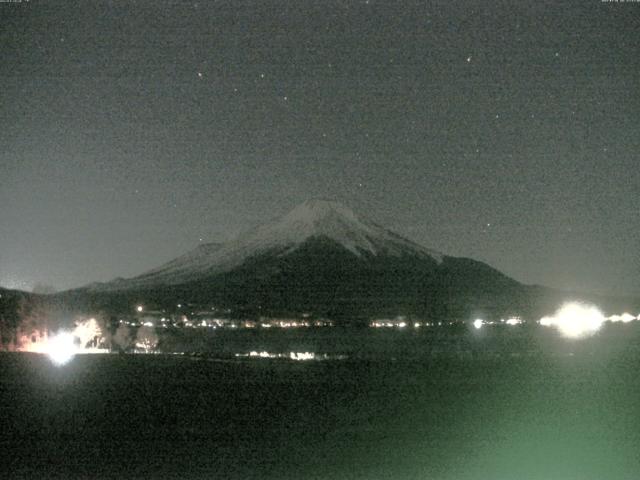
187	262
330	219
311	219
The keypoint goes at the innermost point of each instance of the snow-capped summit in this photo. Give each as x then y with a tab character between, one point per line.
332	220
313	219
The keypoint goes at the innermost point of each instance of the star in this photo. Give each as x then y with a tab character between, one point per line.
199	74
469	59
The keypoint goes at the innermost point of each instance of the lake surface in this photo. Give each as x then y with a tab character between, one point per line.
500	408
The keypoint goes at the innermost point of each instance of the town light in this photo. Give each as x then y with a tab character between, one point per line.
575	320
61	348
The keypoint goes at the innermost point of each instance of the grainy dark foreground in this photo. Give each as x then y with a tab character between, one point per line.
540	416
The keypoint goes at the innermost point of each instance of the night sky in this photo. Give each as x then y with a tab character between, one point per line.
504	131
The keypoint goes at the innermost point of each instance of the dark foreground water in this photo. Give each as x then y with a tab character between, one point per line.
540	415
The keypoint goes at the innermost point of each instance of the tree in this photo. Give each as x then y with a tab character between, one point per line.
123	338
146	339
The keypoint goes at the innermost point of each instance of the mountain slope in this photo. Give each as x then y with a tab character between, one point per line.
323	259
311	220
325	279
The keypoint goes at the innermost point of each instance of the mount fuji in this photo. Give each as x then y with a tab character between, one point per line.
313	220
323	259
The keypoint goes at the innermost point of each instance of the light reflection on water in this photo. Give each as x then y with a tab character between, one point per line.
297	356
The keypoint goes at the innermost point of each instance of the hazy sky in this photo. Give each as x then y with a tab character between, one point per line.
506	131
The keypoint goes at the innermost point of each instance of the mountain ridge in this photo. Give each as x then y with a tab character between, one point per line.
316	218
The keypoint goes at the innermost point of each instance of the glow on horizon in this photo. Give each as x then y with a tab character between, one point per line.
576	320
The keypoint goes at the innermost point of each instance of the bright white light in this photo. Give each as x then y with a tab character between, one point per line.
139	308
624	318
514	321
302	355
627	317
263	354
575	320
61	348
478	322
546	321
